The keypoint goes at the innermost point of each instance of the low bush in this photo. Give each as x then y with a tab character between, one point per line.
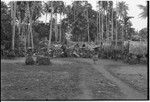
29	60
10	54
41	60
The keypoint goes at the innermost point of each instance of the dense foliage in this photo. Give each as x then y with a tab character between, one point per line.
78	19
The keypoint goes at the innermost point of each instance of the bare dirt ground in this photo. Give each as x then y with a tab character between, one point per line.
134	75
131	79
70	78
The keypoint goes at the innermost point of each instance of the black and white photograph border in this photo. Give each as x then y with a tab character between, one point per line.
74	50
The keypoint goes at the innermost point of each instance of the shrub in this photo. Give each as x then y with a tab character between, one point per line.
29	60
41	60
10	54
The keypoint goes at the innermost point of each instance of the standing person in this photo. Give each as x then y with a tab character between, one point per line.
96	54
76	50
95	57
64	50
29	57
101	50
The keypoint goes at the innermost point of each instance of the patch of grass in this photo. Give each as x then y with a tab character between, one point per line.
20	82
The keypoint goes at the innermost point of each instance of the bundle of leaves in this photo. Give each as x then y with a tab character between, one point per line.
57	52
85	53
42	60
29	60
69	52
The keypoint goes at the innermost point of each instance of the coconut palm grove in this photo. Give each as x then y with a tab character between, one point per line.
75	53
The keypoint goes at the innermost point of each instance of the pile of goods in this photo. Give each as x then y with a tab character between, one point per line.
29	58
42	54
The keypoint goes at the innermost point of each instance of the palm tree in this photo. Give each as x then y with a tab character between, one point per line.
112	21
101	20
56	28
144	12
106	10
58	9
127	23
98	23
27	14
48	8
122	9
61	10
88	23
46	11
104	5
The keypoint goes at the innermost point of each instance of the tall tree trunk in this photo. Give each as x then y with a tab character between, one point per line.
97	26
19	27
56	31
60	29
24	36
102	26
112	29
116	28
106	25
25	46
46	18
14	24
88	26
29	27
116	33
31	32
50	34
100	22
28	36
122	33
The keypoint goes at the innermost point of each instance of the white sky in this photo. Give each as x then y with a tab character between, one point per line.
138	23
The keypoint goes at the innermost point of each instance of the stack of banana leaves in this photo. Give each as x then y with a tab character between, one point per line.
57	50
80	49
54	51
